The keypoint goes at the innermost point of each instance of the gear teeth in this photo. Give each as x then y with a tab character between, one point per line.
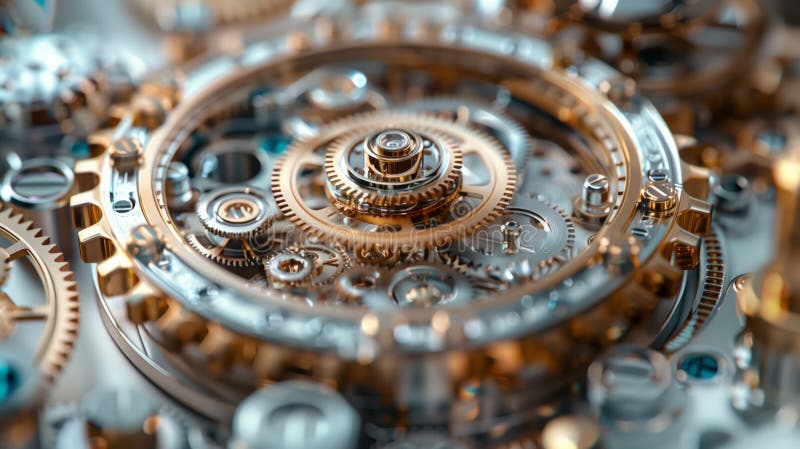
313	223
60	287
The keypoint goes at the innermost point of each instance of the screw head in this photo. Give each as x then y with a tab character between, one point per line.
126	153
659	196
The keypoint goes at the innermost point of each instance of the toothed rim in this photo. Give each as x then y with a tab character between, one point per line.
496	202
344	265
360	126
463	264
255	229
61	330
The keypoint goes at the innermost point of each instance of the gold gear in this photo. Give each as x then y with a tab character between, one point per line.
353	195
61	309
475	203
227	251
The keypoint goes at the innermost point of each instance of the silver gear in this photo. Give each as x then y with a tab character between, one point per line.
237	212
545	238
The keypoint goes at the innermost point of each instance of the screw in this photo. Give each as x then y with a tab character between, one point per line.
126	153
659	196
596	190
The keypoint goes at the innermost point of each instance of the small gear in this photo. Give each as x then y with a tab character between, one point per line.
417	285
480	194
59	312
227	251
236	212
530	239
310	265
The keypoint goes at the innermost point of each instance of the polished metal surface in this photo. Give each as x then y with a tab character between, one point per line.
393	224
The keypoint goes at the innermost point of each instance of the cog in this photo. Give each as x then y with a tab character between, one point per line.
310	265
381	194
530	239
483	192
227	251
419	285
60	311
236	212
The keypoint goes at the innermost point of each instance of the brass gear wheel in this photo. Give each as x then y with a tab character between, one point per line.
355	192
310	265
60	312
478	198
226	251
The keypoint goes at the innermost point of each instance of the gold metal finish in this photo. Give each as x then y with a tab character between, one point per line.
60	309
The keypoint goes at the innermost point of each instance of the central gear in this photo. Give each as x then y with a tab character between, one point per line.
530	239
392	171
310	265
411	196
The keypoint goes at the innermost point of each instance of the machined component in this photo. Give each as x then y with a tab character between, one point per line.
309	265
119	419
594	203
49	87
295	415
227	251
41	188
395	209
770	300
178	186
240	213
633	394
57	311
425	286
528	240
393	171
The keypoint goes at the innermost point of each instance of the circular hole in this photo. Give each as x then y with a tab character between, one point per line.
734	183
364	281
41	182
699	367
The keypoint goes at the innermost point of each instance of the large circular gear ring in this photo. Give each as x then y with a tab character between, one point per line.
482	195
60	310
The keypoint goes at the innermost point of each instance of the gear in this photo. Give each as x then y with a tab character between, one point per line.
227	251
60	311
366	179
417	285
310	265
479	196
236	212
530	239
